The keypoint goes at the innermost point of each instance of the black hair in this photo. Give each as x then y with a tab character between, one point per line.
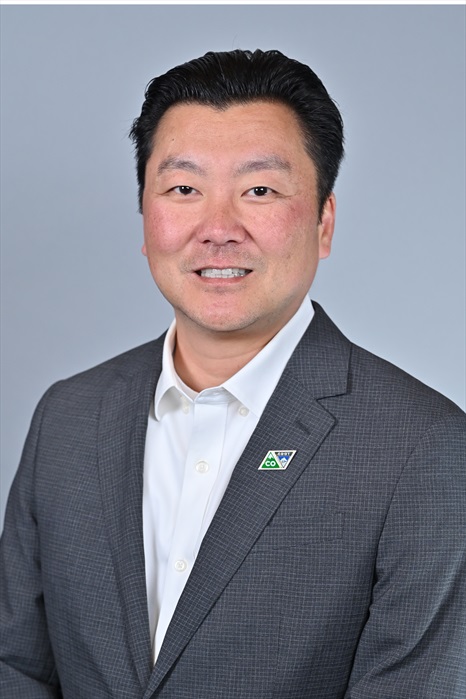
220	79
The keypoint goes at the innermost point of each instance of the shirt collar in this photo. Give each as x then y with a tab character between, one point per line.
256	381
252	385
169	392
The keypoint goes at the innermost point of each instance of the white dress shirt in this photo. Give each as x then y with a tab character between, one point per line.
193	443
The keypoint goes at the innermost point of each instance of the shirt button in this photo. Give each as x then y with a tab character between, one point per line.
243	411
184	405
180	565
202	467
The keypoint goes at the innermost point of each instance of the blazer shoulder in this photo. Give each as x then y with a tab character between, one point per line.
373	385
399	391
143	360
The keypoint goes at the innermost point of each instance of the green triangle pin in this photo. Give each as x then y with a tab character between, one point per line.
277	460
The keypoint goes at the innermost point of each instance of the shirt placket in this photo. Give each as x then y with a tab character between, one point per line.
200	473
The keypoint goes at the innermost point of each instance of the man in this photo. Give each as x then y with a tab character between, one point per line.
252	503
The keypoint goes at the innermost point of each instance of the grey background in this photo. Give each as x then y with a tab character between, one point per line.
75	287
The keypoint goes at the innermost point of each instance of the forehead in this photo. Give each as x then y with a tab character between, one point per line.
240	130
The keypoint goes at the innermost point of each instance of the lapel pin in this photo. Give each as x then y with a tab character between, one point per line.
277	460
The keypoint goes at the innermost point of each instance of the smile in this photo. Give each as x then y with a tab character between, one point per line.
227	273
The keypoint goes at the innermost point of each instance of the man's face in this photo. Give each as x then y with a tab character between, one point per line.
231	224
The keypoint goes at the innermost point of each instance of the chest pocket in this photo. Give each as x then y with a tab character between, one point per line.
287	532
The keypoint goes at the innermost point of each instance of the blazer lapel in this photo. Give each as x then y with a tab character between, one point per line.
293	419
122	434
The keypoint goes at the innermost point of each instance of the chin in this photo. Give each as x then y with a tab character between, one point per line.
221	322
223	326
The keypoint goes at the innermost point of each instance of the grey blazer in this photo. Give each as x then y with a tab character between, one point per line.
342	576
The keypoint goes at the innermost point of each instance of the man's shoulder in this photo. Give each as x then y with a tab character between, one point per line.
384	383
377	385
143	360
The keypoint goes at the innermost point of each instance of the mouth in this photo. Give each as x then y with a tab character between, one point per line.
227	273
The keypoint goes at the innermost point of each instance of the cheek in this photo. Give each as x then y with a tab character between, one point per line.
290	231
164	232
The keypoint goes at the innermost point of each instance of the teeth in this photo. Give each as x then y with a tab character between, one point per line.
224	273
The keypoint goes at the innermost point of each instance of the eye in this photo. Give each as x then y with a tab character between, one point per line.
260	191
183	189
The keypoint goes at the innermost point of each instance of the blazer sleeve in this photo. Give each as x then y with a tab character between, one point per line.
27	667
414	641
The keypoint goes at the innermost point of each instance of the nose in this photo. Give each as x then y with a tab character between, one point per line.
220	223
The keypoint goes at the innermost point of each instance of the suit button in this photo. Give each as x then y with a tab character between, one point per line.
180	565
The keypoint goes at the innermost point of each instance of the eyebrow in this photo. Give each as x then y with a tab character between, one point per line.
269	162
173	163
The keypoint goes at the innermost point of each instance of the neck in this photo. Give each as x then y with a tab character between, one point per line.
203	360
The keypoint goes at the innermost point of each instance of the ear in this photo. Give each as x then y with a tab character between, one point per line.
326	227
144	249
